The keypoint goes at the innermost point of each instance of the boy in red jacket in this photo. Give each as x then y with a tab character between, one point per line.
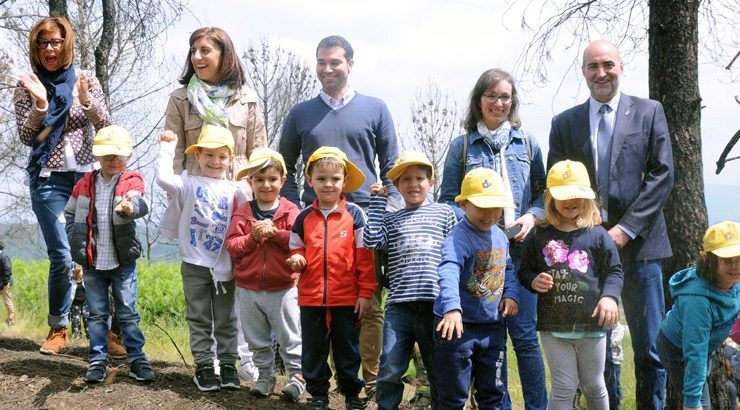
257	241
337	279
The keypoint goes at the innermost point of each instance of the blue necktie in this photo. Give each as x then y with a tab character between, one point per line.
604	143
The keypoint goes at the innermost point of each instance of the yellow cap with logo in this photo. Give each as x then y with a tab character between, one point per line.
112	140
211	137
485	189
355	177
569	180
723	239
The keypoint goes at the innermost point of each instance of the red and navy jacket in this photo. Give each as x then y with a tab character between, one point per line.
339	268
261	265
81	219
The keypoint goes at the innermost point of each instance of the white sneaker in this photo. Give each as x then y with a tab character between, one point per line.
216	367
248	372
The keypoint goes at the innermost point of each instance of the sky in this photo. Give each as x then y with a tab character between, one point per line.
400	45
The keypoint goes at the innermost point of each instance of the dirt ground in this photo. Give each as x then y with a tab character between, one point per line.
29	379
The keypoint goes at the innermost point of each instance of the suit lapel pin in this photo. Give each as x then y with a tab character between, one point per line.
628	112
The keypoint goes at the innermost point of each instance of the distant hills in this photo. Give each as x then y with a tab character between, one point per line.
25	241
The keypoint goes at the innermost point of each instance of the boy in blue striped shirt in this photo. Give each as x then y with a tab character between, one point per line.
413	237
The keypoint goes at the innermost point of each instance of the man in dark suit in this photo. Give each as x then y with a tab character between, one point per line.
625	145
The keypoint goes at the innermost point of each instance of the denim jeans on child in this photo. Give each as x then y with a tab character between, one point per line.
405	324
124	284
48	200
479	354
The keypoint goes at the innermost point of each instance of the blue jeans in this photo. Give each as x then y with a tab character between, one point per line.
522	330
124	284
644	308
478	355
405	324
48	200
671	357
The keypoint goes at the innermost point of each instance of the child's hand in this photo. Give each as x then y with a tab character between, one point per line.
450	324
377	188
167	136
362	306
607	312
258	230
77	273
297	263
508	307
542	283
125	206
268	229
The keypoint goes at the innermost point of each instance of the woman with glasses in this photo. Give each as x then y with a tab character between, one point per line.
214	92
57	109
495	139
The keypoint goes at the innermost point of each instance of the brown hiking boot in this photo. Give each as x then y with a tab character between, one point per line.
55	342
115	348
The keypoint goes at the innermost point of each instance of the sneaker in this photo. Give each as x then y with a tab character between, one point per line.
96	372
317	403
206	379
263	387
115	348
354	403
55	341
294	389
141	370
229	377
248	372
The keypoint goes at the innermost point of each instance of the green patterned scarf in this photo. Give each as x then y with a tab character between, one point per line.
209	101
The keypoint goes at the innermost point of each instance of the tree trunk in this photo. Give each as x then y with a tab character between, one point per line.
58	8
674	81
102	51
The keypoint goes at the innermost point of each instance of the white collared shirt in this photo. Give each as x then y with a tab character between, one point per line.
337	104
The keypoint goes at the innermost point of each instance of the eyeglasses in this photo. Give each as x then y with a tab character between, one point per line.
55	43
492	98
111	158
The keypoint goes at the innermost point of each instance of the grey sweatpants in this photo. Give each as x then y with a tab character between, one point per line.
209	308
574	363
263	311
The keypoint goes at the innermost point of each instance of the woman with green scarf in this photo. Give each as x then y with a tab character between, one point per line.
214	92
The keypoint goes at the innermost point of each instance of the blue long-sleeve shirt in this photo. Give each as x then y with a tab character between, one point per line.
475	274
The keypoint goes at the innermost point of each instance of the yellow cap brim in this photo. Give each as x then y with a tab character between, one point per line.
566	192
355	177
487	201
397	171
103	150
207	145
731	251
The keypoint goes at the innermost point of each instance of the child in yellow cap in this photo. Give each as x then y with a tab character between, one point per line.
573	265
101	225
337	275
477	290
198	216
257	241
706	303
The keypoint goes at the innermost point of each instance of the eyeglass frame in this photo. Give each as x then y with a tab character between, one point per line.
46	43
491	98
112	157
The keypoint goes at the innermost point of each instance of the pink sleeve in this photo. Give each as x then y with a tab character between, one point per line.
735	332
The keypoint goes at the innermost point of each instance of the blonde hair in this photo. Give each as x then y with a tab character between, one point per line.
66	53
589	217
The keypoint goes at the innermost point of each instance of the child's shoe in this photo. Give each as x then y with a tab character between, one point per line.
55	341
248	372
205	378
294	389
317	403
263	387
96	372
354	403
229	377
141	370
115	349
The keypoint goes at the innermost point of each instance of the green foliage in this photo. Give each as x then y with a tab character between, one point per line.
161	299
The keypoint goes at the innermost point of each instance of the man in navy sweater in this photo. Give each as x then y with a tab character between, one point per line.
362	127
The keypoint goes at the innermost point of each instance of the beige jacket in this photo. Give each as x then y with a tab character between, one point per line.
245	122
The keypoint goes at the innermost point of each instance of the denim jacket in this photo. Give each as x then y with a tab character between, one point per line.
527	177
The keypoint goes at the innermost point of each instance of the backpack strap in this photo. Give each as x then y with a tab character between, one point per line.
529	145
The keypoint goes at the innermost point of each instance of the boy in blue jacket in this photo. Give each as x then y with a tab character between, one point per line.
477	291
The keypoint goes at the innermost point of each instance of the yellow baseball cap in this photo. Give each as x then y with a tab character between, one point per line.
569	180
723	239
485	189
112	140
213	136
355	177
258	159
407	159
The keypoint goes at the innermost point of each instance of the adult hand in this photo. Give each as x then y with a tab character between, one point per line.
83	89
377	188
167	136
527	223
362	306
607	312
618	236
542	283
297	263
36	89
508	307
450	324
